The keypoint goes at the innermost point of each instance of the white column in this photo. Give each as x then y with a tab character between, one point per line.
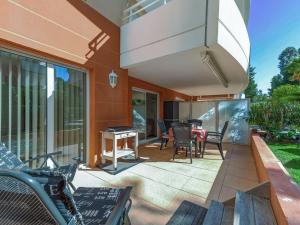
136	145
9	103
34	119
50	108
19	106
115	148
27	110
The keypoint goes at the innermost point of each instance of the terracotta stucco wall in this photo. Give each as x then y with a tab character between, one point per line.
69	31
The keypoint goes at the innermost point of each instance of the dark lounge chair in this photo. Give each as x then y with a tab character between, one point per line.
9	160
42	198
216	138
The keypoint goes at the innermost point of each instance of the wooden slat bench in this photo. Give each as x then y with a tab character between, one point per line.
252	207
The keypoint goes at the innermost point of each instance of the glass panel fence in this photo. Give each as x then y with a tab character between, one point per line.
237	113
215	113
205	111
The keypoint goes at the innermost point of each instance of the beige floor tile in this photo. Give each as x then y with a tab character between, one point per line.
184	196
161	184
197	187
162	176
83	179
144	213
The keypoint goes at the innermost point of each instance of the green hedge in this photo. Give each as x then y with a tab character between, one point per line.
275	116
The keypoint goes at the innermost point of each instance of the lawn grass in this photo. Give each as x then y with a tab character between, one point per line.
289	155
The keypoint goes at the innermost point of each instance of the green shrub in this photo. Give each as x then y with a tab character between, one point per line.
275	116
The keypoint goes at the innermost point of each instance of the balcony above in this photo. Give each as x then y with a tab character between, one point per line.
165	43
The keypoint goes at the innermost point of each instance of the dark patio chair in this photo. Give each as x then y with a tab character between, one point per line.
9	160
183	138
216	138
26	199
164	133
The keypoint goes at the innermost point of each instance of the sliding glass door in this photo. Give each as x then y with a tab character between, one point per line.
30	95
23	97
144	113
69	113
139	113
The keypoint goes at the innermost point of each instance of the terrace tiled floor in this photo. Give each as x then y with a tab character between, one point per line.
161	184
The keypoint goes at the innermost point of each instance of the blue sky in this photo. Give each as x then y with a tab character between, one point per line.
273	26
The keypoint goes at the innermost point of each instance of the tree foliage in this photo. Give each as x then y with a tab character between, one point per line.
260	97
285	58
272	116
286	93
251	90
294	69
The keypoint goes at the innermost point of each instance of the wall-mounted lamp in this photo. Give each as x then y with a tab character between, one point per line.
113	79
211	63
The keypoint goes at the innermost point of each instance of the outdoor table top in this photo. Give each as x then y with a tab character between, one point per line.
201	133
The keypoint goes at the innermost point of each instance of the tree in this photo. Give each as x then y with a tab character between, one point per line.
275	83
286	93
251	90
294	69
285	58
260	97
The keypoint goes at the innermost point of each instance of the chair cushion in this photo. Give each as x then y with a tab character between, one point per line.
54	183
97	204
68	171
9	160
214	139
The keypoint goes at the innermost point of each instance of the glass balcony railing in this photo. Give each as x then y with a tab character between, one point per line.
138	8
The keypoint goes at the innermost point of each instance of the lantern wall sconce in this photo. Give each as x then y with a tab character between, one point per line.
113	79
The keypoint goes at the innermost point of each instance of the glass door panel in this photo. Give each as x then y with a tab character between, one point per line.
69	113
139	113
151	108
23	96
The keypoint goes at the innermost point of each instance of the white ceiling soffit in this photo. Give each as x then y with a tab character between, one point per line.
111	9
186	72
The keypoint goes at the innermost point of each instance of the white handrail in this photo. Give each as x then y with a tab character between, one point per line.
142	9
135	5
142	6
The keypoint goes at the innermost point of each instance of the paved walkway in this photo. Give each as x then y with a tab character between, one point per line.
161	184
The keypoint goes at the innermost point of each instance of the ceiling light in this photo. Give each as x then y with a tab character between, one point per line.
211	63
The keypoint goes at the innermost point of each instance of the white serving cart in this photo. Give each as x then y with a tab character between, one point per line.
115	135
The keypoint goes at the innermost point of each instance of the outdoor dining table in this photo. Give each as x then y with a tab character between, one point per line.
200	135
